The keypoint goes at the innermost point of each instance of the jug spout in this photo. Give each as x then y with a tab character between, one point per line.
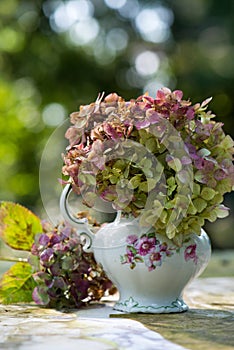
81	225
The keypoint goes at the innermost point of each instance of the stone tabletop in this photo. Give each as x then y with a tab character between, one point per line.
209	324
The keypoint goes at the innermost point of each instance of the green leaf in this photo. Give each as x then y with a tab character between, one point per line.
151	145
200	204
218	198
174	163
151	184
135	181
119	164
148	185
199	176
184	176
227	142
143	187
144	135
87	179
113	179
145	163
140	200
171	185
224	186
18	225
211	216
196	189
170	230
17	284
132	249
195	228
222	211
171	181
163	216
147	217
191	209
89	199
208	193
204	152
138	259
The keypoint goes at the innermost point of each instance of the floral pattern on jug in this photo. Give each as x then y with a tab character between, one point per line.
149	250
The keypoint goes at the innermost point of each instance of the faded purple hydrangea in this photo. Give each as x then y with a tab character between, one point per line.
99	164
65	275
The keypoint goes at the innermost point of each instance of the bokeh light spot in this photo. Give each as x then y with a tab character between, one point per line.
69	13
117	39
147	63
154	24
53	114
115	4
130	9
11	40
81	33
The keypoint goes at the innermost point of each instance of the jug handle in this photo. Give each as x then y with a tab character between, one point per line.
80	224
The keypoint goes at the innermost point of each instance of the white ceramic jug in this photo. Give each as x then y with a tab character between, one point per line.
149	271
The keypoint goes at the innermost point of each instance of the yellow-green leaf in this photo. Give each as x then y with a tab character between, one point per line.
200	204
227	142
208	193
18	225
17	284
191	209
135	181
174	163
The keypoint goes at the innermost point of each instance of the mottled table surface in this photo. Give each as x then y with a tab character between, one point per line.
209	324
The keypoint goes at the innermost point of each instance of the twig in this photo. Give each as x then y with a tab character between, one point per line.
11	259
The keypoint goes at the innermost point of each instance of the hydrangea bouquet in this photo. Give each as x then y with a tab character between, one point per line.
163	159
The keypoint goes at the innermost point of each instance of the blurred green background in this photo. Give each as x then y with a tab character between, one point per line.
56	55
